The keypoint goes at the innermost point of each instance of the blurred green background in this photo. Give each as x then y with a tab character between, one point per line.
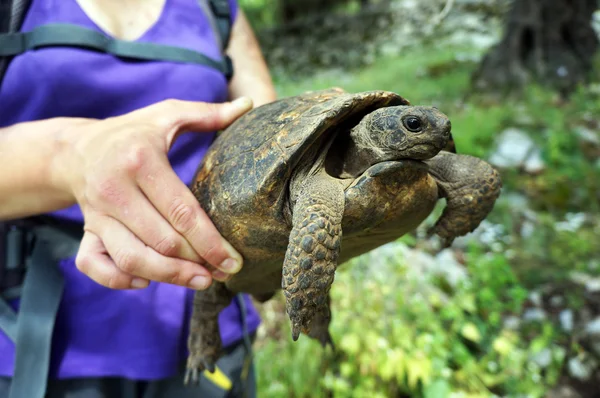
511	310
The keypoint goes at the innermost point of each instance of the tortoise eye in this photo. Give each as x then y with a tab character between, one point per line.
413	124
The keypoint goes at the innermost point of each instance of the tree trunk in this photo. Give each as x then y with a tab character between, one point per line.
296	9
548	41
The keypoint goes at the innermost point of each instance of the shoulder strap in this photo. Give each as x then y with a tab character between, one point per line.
12	14
219	17
78	36
222	13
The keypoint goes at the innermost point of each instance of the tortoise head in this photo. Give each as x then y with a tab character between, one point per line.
404	132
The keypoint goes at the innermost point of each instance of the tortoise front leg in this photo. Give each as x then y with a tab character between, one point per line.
204	342
312	253
470	186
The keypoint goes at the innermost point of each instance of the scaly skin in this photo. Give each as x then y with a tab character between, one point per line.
314	245
470	186
204	342
319	327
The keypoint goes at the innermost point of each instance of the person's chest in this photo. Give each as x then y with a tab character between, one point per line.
123	19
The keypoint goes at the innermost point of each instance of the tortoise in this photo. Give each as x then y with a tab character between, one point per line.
285	180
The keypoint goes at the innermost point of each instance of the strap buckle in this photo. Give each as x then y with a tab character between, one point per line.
15	245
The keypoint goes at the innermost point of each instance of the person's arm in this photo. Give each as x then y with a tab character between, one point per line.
141	222
27	183
251	76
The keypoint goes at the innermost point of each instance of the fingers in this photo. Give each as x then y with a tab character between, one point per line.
93	260
126	203
125	256
180	208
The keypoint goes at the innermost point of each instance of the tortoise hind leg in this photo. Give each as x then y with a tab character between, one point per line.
313	249
204	342
319	328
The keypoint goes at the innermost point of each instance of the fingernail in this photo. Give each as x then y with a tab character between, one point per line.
199	282
139	283
221	276
243	103
230	265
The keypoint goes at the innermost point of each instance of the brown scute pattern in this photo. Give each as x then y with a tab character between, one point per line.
310	264
471	187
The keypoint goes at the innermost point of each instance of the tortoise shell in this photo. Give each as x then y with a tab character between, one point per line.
243	182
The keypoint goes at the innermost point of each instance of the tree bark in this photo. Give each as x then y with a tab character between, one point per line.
296	9
548	41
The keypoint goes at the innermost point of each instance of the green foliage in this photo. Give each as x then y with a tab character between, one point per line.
400	339
397	336
261	13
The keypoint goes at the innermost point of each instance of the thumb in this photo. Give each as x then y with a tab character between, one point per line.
176	116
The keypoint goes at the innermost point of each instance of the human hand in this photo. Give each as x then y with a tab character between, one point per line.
141	221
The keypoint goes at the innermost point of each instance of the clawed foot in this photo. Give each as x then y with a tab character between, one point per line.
195	366
445	239
323	337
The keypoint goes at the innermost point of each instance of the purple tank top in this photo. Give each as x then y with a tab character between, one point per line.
137	334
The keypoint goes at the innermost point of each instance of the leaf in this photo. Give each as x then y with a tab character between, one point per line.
467	303
438	389
470	332
393	365
502	346
350	343
418	369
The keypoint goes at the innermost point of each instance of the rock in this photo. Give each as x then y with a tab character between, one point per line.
527	229
447	266
516	150
587	135
512	322
566	320
543	358
579	369
422	265
593	327
596	348
563	391
591	283
572	223
534	315
596	22
535	298
557	301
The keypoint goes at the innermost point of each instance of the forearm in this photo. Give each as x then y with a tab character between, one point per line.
251	74
28	184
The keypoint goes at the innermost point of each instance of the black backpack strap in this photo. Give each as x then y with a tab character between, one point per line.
12	15
222	13
17	16
77	36
37	248
41	296
219	17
